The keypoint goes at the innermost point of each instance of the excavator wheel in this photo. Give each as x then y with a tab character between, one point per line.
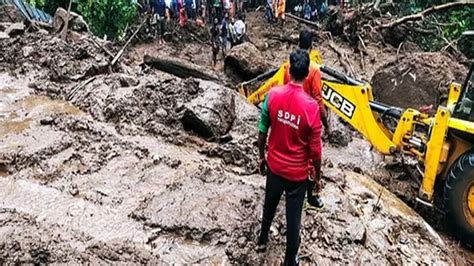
459	198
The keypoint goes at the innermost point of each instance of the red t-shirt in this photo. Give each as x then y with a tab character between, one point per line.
295	135
312	84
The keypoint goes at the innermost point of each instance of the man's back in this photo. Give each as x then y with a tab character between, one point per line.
160	7
295	131
311	85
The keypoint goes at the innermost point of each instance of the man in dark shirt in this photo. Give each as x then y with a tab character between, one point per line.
214	34
224	33
189	6
159	11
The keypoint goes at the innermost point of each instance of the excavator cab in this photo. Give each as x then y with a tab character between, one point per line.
465	107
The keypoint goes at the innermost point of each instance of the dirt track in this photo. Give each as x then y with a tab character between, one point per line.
99	168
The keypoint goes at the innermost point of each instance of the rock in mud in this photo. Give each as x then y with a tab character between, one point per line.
27	50
127	80
9	13
3	35
15	29
212	113
419	79
339	138
76	22
245	62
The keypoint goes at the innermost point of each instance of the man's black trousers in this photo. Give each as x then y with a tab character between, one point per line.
295	192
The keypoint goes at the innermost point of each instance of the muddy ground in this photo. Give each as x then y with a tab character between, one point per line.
97	167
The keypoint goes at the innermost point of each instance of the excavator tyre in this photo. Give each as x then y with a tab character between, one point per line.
459	198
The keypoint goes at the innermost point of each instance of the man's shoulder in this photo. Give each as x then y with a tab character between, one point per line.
313	66
307	101
278	90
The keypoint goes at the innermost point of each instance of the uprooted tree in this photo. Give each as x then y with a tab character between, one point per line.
433	27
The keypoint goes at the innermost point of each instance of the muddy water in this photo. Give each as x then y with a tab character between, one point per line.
19	109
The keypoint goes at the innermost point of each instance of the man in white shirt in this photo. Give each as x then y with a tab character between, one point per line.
240	30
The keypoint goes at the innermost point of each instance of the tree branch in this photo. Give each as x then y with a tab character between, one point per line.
302	20
426	12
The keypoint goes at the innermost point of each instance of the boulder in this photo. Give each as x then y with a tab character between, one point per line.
15	29
212	113
76	22
245	62
4	25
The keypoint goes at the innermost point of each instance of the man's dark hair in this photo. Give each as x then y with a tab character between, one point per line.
299	64
306	39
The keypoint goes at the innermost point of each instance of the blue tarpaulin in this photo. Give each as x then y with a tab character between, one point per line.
32	13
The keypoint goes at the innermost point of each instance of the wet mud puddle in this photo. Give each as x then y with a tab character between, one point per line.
19	109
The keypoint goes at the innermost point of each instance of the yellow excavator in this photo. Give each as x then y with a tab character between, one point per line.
443	143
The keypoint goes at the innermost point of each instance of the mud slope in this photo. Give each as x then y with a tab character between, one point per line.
97	167
138	195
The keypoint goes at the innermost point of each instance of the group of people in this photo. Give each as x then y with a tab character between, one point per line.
293	115
196	10
275	10
226	26
227	31
315	9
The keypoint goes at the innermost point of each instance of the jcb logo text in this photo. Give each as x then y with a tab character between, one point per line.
339	102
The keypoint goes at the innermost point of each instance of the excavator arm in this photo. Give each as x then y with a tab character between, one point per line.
415	133
443	143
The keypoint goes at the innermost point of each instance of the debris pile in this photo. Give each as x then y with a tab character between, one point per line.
53	58
422	78
146	166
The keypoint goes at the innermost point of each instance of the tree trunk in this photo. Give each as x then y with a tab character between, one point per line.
179	67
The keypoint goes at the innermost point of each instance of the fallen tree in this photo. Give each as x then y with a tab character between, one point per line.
421	15
179	67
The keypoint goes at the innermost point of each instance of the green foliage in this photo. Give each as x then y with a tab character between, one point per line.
36	3
108	17
449	26
49	6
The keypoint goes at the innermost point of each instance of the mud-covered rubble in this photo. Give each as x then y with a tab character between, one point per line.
54	59
165	106
352	228
105	171
422	78
24	239
185	197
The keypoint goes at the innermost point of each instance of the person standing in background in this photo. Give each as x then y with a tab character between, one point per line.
218	9
226	6
182	13
307	11
159	12
188	4
280	11
269	11
224	33
240	30
214	36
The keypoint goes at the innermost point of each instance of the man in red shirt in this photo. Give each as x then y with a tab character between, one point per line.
312	86
295	140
